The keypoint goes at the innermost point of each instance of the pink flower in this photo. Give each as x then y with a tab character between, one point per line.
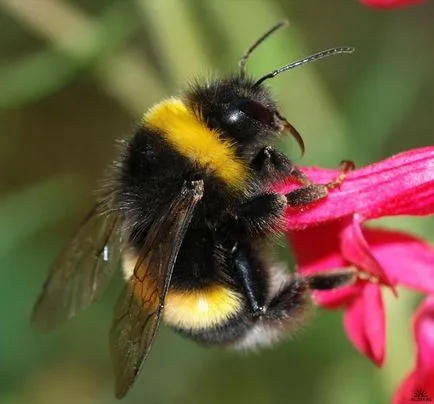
401	185
420	382
389	3
332	234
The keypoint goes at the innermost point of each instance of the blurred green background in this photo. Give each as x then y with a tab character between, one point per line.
75	76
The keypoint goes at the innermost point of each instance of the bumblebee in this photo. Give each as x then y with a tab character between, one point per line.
189	209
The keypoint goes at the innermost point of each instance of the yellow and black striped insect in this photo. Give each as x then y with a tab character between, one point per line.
188	209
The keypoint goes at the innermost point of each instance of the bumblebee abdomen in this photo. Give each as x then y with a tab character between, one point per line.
201	309
194	308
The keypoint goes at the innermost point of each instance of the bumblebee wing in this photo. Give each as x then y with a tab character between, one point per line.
81	271
140	307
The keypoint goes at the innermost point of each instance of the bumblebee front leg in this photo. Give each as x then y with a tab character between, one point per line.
255	218
311	193
274	166
263	214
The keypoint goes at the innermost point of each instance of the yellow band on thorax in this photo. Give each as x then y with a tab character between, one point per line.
190	136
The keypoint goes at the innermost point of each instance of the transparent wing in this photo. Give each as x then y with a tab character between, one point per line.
81	271
140	307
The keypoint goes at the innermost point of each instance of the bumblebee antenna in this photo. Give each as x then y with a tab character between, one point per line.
262	38
312	58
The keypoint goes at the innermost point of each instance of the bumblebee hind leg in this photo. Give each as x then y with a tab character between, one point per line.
289	305
284	312
291	301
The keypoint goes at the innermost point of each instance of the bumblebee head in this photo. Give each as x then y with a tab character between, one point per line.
241	109
237	109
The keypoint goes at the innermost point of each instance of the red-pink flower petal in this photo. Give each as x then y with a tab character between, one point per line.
364	321
400	185
357	251
390	3
424	332
421	379
415	388
339	297
317	249
404	259
407	260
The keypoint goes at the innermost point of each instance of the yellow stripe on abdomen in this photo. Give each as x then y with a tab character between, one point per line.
201	309
189	309
190	136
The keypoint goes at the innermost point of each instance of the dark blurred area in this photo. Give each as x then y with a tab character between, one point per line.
76	75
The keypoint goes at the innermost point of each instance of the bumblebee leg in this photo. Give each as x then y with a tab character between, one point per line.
289	303
286	310
314	192
291	300
332	279
262	214
255	218
272	165
248	273
306	195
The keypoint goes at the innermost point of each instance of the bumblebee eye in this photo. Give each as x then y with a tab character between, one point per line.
257	111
